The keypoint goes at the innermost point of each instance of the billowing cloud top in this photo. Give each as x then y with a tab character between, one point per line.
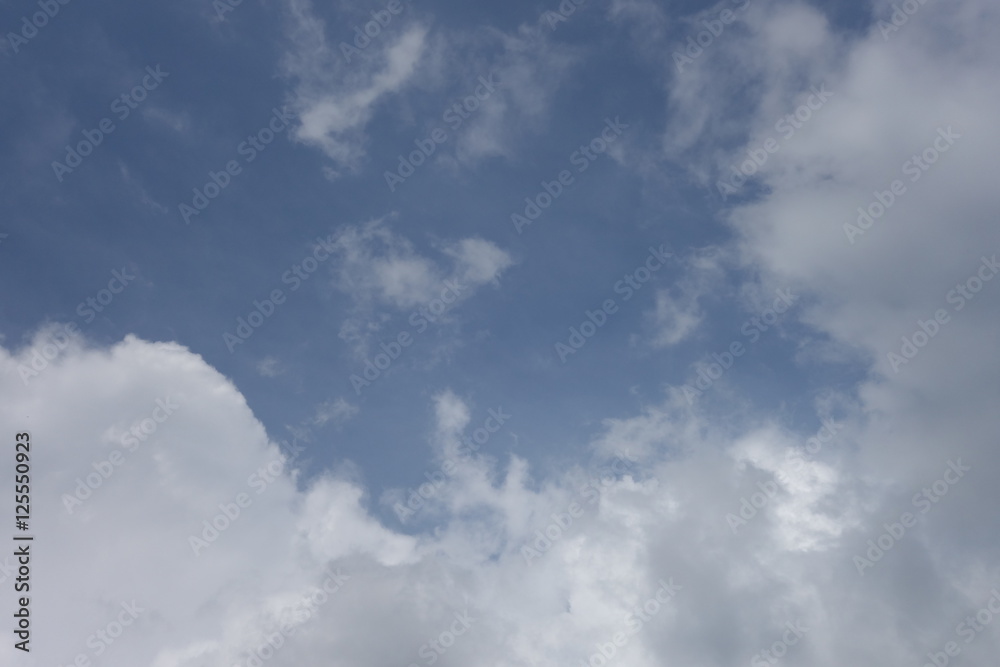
575	334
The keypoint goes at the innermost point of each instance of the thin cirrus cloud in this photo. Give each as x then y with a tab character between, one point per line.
383	274
334	99
378	267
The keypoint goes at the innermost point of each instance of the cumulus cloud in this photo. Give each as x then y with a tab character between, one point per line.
898	113
147	460
507	567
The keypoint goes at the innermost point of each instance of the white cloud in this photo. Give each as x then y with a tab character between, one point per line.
478	261
382	271
530	68
677	312
674	318
338	411
892	99
334	99
270	367
612	537
661	516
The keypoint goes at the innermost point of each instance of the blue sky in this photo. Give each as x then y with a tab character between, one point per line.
121	207
235	151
